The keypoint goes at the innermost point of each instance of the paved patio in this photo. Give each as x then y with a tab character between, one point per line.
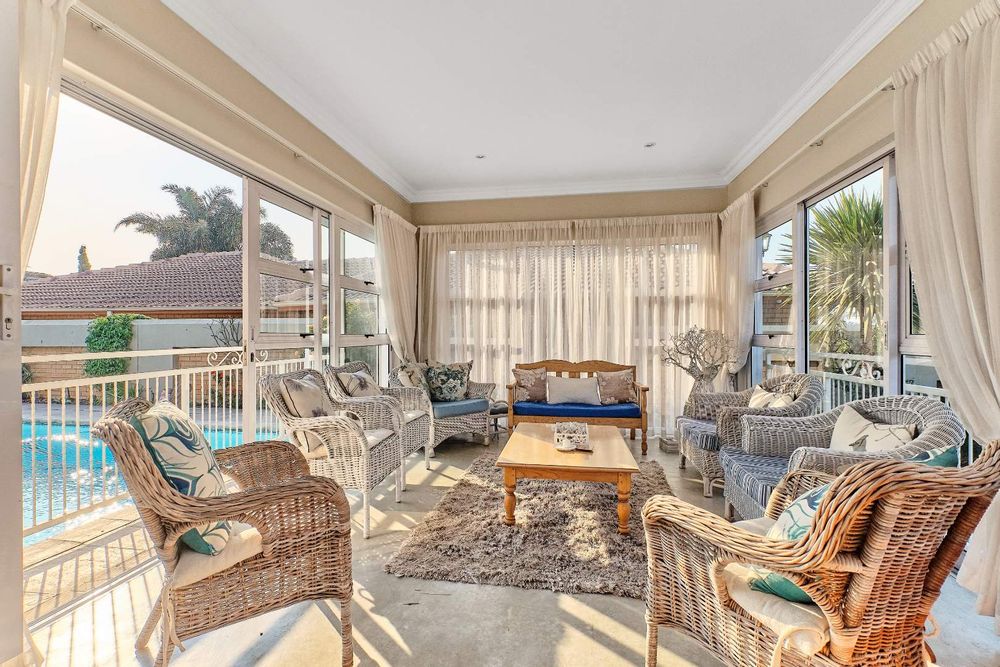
396	621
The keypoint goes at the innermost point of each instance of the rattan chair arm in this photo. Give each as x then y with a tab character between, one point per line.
410	398
834	462
767	435
262	463
375	411
480	390
706	405
663	512
730	427
297	508
343	436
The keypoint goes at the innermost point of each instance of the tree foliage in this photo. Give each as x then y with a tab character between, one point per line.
82	259
205	222
112	333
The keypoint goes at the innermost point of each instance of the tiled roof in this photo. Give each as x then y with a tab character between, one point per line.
195	281
212	280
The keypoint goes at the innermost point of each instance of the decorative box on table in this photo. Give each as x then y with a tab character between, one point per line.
572	435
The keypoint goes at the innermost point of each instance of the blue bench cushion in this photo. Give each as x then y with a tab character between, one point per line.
619	411
467	406
699	433
754	475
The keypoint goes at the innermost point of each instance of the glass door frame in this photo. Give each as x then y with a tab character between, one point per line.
257	343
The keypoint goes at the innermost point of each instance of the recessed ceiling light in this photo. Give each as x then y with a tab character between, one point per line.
480	156
649	144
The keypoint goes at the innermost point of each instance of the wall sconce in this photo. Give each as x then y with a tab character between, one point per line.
765	243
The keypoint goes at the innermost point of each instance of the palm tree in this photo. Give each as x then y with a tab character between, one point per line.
205	222
845	273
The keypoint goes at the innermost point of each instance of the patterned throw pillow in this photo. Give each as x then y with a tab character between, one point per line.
184	457
306	397
616	387
411	374
762	398
448	382
358	383
791	525
854	433
530	384
943	457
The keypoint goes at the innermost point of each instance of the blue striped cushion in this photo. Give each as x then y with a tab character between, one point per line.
700	433
755	475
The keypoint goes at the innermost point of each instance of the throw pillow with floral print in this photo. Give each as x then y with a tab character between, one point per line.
448	382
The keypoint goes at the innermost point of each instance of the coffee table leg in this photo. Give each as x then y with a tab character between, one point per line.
624	510
509	499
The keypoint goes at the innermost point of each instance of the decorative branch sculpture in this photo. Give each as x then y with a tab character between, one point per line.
701	353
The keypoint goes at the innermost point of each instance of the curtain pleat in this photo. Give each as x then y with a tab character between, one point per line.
736	271
396	259
607	289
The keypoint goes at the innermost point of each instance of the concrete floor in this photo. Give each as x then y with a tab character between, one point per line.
416	622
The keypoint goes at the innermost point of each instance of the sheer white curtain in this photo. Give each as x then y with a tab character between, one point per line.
396	259
43	36
593	289
736	275
947	117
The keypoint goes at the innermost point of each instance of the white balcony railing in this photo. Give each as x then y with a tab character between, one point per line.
68	473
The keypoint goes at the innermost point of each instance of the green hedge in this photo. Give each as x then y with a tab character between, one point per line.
109	334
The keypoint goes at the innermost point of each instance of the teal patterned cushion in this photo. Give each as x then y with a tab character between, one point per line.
184	457
791	525
448	382
944	457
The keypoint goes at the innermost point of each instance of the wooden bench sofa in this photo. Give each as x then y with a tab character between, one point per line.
626	415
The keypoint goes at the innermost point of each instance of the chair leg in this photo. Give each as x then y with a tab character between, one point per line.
346	633
631	434
402	474
707	487
644	442
147	630
727	514
683	463
427	456
651	633
368	515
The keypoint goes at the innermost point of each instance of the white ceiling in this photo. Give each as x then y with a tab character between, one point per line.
560	95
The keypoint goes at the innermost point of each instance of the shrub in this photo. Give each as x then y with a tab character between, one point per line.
109	334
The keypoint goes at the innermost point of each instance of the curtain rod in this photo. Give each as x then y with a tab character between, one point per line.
817	140
99	22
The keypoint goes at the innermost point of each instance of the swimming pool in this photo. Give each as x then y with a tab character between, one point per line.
65	469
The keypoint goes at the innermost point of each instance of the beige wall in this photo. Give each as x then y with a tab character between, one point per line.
107	59
526	209
863	132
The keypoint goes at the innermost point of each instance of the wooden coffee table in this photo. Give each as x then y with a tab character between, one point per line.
531	454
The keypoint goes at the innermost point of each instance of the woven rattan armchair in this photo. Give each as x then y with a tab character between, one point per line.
304	526
884	538
445	427
711	421
358	455
412	403
772	446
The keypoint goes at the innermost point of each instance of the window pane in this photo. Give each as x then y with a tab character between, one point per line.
359	258
773	311
360	313
771	362
367	353
285	305
285	236
846	327
774	251
920	377
916	326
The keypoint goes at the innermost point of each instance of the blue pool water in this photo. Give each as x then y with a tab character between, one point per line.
78	470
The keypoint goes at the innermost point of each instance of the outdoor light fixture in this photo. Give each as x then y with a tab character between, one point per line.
765	242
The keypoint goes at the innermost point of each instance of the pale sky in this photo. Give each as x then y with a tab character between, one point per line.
104	170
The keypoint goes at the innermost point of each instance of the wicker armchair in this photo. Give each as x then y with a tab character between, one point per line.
446	426
884	538
414	411
302	525
711	421
358	456
772	446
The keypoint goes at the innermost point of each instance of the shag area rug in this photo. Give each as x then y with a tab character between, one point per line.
566	538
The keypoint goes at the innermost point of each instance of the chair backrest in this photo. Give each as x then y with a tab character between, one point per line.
937	425
270	391
575	369
905	525
333	384
805	387
150	491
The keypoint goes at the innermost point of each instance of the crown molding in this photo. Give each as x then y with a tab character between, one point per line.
608	186
882	20
213	25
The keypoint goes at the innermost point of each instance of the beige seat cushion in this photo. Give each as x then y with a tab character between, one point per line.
756	526
244	542
376	436
762	398
413	414
809	629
